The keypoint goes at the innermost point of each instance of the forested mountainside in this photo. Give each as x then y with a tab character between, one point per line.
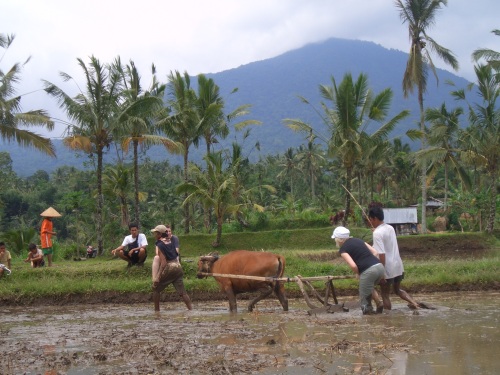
272	87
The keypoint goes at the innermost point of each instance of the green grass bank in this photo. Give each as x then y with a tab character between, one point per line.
437	262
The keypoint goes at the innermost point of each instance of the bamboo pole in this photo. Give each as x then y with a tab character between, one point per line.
361	208
280	279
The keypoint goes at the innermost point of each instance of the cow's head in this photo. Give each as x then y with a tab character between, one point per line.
205	264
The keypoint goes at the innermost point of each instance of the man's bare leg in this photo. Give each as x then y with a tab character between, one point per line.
403	295
378	301
385	290
155	270
123	256
156	300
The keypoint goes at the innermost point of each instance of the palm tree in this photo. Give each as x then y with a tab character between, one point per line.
116	184
443	142
482	138
375	163
11	115
139	108
213	188
311	159
352	105
210	111
420	16
95	114
289	167
492	57
183	123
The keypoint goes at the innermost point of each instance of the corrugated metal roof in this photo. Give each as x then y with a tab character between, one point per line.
400	215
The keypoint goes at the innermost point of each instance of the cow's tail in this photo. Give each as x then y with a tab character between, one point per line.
281	270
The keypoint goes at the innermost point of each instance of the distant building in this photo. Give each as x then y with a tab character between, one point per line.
404	220
432	205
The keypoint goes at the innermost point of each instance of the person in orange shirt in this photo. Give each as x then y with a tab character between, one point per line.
47	231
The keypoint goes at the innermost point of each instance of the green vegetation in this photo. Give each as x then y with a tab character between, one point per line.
303	189
308	253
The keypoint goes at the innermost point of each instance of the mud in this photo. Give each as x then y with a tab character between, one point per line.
460	336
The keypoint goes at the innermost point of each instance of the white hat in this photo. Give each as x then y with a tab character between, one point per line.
341	232
160	228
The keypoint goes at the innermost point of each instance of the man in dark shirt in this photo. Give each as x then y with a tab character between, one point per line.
362	258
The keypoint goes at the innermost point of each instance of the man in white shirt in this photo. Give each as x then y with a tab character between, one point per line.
133	247
386	244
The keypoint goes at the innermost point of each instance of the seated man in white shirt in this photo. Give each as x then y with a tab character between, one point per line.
133	247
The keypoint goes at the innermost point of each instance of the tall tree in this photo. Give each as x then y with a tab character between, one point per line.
492	57
289	167
420	15
182	124
11	115
116	184
483	136
347	110
210	107
311	159
137	120
213	188
443	147
94	112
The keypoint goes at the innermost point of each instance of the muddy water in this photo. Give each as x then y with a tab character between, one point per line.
460	337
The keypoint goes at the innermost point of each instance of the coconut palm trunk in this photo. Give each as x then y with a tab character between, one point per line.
100	202
423	167
137	209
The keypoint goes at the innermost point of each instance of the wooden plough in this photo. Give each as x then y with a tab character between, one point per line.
301	282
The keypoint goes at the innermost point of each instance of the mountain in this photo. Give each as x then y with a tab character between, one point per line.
272	87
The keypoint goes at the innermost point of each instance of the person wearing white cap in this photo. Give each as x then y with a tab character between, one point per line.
362	258
166	267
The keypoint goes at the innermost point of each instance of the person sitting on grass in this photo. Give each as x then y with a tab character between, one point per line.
5	259
35	256
133	247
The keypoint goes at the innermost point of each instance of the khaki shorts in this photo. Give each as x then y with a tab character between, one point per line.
172	274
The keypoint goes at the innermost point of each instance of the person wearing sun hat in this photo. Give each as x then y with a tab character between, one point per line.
362	258
166	267
47	231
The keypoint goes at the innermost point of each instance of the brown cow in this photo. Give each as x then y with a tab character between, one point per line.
247	263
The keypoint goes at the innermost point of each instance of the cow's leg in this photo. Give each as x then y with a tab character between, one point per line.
264	292
232	300
279	290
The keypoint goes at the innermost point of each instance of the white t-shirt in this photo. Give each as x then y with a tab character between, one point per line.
141	240
39	253
385	242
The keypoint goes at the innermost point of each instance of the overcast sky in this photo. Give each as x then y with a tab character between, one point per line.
209	36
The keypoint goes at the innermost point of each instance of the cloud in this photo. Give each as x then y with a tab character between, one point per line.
211	36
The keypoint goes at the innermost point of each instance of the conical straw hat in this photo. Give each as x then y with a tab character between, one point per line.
50	212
